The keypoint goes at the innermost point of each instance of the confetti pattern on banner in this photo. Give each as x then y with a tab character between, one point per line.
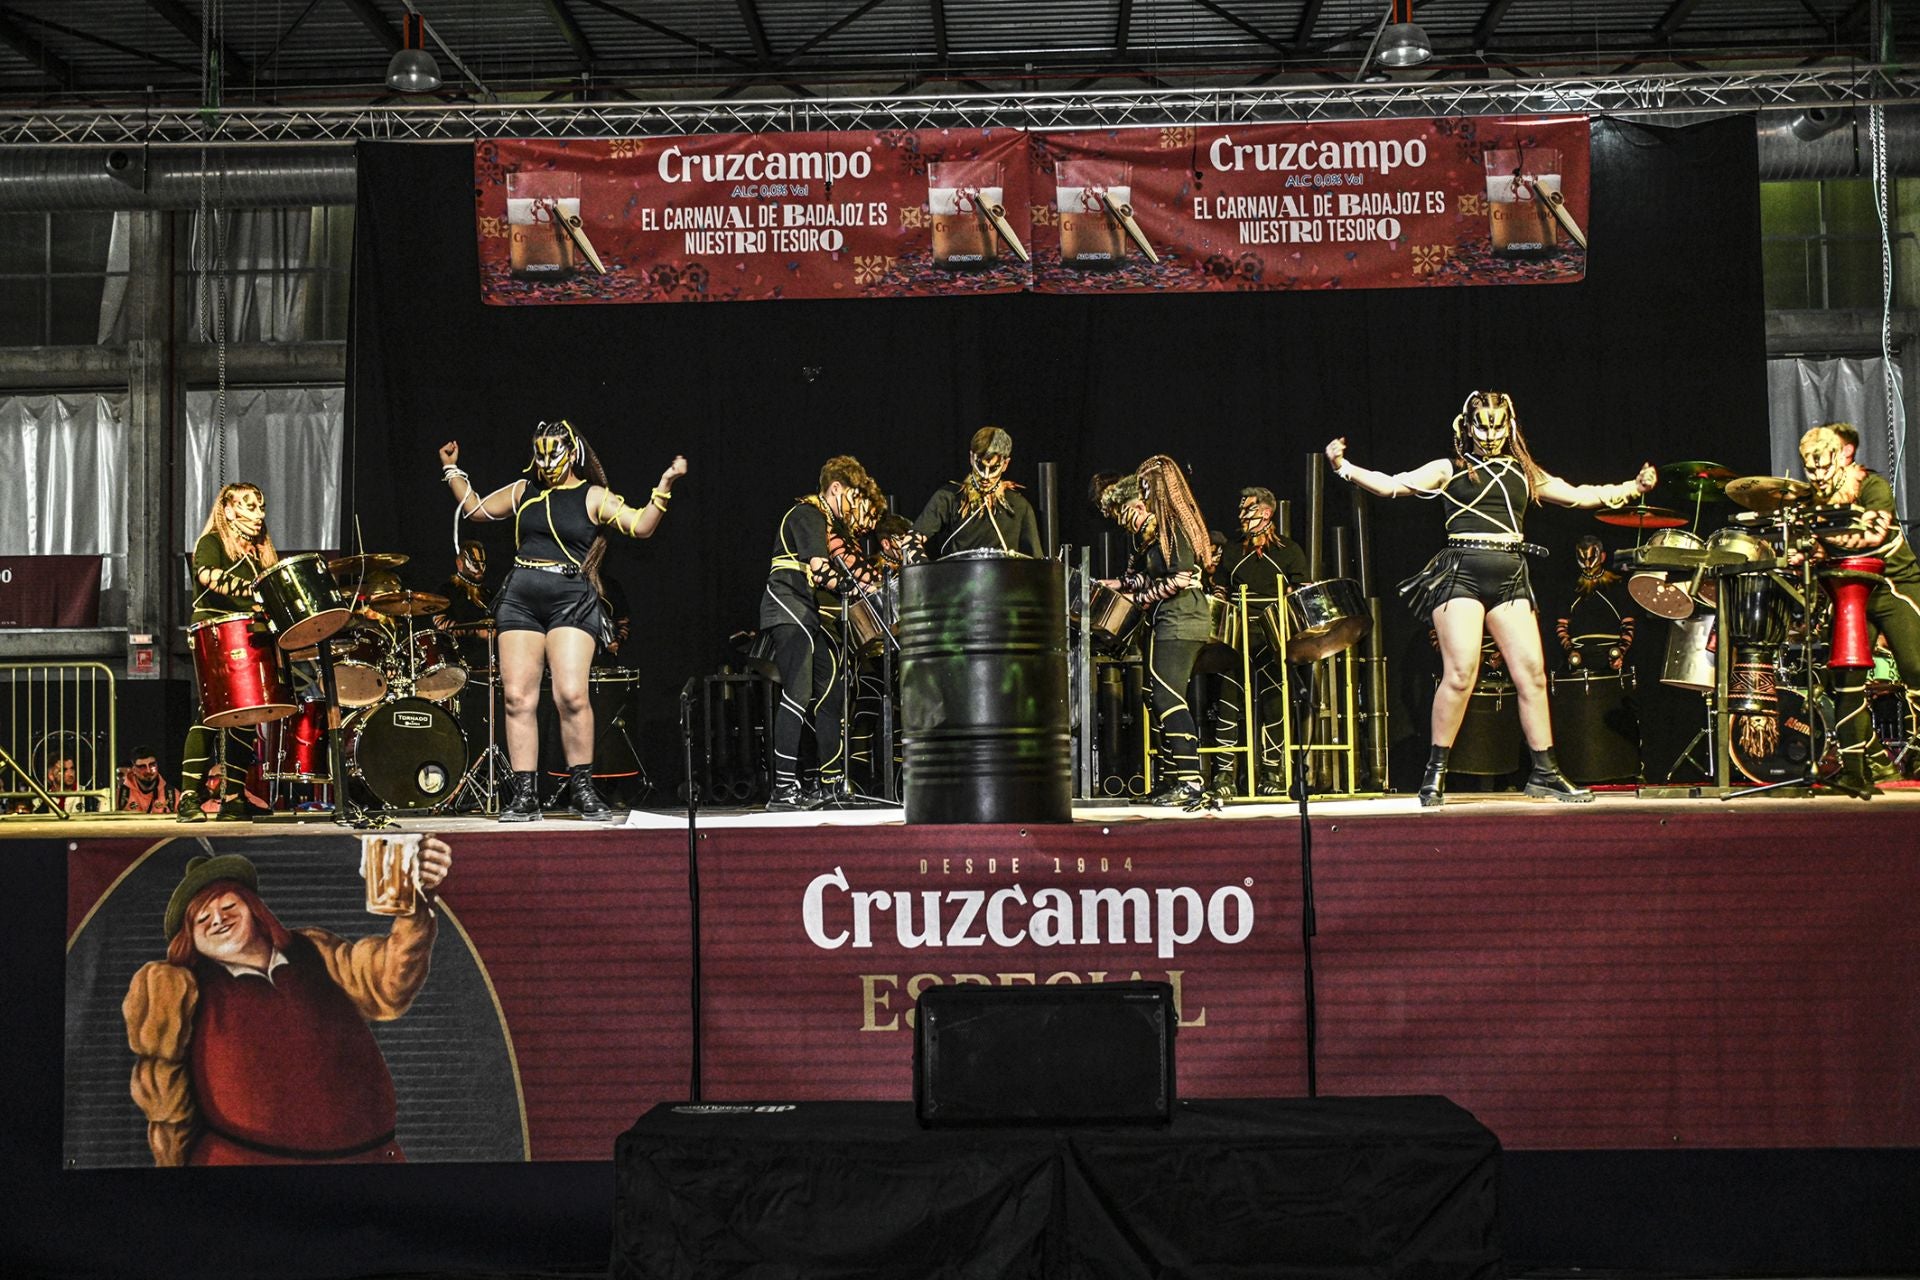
1346	205
731	218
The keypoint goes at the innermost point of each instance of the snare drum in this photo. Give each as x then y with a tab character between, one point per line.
870	619
409	754
1328	617
437	672
360	669
1595	728
238	673
303	605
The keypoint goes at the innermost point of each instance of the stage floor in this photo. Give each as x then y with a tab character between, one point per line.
1899	801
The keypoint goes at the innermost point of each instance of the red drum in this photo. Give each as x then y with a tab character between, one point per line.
1849	582
238	676
437	672
295	749
360	669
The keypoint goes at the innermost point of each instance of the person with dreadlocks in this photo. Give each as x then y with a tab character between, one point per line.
550	613
1479	581
1893	605
233	551
816	557
1154	504
985	511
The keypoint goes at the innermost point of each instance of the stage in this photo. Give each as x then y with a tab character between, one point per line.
1656	988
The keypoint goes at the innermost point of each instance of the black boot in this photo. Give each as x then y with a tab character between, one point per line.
1433	783
786	797
1221	790
587	801
523	799
187	808
1547	780
1855	777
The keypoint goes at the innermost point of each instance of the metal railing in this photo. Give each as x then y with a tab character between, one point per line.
59	714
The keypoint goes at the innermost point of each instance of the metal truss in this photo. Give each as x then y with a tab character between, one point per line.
1686	92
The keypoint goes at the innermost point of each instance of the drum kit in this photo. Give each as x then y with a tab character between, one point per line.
373	650
1765	622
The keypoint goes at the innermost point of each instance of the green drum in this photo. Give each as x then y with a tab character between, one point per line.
983	691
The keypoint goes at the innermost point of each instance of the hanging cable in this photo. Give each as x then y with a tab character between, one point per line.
1896	399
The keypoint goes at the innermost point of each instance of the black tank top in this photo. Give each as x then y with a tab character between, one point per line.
1489	497
553	525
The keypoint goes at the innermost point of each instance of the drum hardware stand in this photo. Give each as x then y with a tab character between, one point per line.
487	797
1811	775
1309	926
693	876
843	795
1705	733
345	812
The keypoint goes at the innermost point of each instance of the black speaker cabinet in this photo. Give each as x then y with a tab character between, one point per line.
1070	1054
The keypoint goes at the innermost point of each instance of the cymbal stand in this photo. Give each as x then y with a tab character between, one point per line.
1704	734
487	796
345	812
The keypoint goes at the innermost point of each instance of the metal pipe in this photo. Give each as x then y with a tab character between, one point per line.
1049	495
1316	515
1342	561
1363	541
56	178
1283	517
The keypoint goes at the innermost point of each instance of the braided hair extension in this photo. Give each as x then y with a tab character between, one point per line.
1168	500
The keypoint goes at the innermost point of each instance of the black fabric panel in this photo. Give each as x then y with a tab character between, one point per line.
1657	355
1327	1188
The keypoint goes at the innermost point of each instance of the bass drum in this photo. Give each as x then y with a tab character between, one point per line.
408	754
1595	728
1779	752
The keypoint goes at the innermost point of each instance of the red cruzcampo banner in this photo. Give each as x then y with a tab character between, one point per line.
742	217
1350	205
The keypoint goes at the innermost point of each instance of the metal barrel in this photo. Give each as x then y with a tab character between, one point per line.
983	692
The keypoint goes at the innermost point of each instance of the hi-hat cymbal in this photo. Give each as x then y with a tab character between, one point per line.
1768	493
349	568
408	604
1642	518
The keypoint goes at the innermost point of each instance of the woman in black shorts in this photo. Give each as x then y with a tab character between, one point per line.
550	613
1480	579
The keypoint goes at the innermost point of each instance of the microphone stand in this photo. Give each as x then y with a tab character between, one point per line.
693	873
1309	926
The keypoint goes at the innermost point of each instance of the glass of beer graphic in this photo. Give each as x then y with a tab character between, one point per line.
1086	192
538	203
390	864
1523	226
961	196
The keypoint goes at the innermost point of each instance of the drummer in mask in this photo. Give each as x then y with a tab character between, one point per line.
233	551
985	511
1893	606
468	615
1268	564
1479	581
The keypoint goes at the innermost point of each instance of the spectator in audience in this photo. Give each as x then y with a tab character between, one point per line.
143	788
64	776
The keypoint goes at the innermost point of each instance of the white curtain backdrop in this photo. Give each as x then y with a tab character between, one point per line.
268	293
1804	392
63	478
287	440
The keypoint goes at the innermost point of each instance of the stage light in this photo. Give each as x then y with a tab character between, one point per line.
412	69
1397	42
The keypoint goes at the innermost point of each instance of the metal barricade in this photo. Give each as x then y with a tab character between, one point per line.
59	714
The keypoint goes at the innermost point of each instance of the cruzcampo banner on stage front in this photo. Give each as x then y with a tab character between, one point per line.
742	217
1373	204
1342	205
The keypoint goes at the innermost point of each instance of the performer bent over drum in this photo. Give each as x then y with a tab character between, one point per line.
550	612
1156	507
233	550
1893	606
817	547
983	511
1480	579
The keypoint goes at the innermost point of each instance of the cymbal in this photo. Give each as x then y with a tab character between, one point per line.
1642	518
1768	493
1699	488
408	604
379	582
349	568
1698	471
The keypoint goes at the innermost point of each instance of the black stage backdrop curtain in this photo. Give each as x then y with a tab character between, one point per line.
1658	355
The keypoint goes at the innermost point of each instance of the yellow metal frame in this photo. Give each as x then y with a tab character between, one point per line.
46	698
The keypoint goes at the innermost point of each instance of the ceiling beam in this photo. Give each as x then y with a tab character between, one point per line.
1677	13
1244	25
756	30
711	50
375	22
1489	20
1309	19
940	29
570	31
1123	27
45	60
190	25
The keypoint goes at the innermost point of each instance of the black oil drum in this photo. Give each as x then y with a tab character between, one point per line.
983	691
